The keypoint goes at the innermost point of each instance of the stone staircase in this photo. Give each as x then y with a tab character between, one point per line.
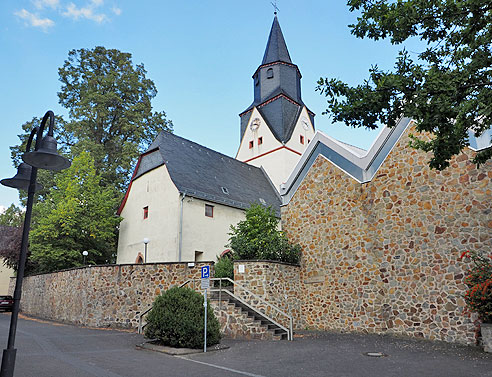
239	321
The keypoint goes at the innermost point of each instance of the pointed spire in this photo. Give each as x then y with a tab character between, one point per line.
276	49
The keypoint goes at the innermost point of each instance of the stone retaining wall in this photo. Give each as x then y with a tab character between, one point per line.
383	256
275	282
101	296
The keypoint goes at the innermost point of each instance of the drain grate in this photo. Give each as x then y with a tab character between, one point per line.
374	354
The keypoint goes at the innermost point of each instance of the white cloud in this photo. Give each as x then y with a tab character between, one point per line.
34	20
89	12
116	10
40	4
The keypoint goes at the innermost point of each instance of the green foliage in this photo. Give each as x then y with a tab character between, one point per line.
177	319
224	268
78	215
258	237
109	103
478	279
447	90
12	216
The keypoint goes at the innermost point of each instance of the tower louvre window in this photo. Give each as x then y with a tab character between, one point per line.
251	144
301	139
270	73
260	140
145	212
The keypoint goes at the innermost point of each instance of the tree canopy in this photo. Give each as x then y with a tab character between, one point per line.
446	89
78	215
110	122
258	237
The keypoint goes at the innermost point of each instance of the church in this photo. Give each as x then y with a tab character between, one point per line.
183	197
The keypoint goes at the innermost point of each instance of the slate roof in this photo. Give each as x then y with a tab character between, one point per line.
276	49
281	116
202	173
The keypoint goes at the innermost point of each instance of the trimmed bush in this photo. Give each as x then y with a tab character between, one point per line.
224	268
177	317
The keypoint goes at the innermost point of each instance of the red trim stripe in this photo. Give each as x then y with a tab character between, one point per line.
273	150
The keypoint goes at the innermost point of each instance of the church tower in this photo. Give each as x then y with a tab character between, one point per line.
277	127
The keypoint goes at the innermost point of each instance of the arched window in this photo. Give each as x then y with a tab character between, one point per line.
270	73
139	259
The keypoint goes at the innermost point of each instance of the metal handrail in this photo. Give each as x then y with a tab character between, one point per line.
290	331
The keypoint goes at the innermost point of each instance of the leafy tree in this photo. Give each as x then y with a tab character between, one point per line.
12	216
109	103
447	90
10	244
258	237
78	215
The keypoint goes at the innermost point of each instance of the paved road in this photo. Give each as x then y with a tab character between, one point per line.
46	349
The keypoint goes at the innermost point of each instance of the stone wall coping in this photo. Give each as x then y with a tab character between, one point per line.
266	261
120	265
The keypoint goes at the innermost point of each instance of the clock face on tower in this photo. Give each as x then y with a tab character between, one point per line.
255	124
305	123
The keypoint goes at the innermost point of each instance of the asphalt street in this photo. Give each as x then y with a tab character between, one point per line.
47	349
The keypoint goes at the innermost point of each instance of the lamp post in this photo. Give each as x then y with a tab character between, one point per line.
145	241
44	156
85	253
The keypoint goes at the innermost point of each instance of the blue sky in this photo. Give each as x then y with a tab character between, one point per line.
200	54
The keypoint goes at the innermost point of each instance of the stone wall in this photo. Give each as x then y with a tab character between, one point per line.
275	282
383	256
102	296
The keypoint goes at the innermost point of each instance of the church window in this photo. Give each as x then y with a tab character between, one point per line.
260	140
146	212
270	73
309	140
302	139
209	210
251	143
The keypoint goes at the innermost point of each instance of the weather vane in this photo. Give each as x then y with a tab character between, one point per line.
275	8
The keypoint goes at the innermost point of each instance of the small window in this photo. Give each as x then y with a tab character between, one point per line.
270	73
309	140
198	256
302	139
251	143
260	140
209	210
146	212
225	190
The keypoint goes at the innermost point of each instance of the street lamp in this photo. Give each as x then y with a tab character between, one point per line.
85	253
145	241
44	156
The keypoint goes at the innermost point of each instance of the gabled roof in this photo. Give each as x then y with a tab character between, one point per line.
281	116
205	174
276	49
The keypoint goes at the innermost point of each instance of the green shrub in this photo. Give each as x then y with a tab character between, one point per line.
224	268
258	237
177	317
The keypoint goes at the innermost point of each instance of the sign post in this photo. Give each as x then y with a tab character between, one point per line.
205	285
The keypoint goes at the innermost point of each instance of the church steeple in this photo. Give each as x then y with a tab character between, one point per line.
277	88
276	49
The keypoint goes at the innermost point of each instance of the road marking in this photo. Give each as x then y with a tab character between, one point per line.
221	367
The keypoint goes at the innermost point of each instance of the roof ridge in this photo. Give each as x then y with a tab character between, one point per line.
207	148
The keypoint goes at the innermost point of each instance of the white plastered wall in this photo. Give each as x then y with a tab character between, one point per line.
5	274
155	190
278	162
208	235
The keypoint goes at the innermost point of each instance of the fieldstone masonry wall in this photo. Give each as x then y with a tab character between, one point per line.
383	256
102	296
276	283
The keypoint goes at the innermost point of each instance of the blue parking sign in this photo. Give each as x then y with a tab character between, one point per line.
205	272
